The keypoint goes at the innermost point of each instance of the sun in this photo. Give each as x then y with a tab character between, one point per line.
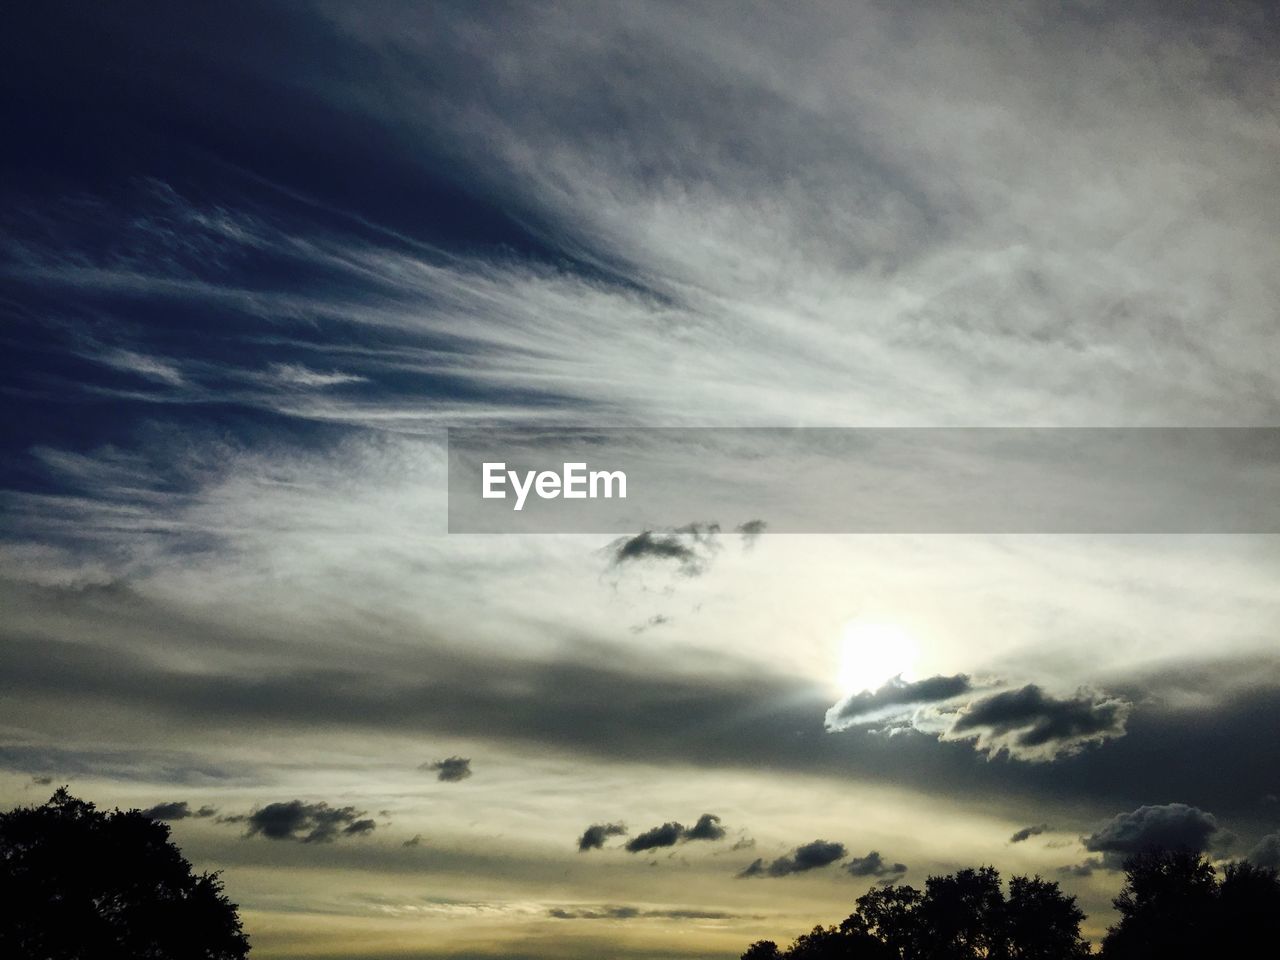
872	653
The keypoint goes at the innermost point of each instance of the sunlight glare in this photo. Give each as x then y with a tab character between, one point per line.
871	654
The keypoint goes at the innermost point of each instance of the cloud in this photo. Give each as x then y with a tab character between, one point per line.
750	532
1026	833
1266	853
151	368
667	835
594	836
921	251
177	810
450	770
873	865
810	856
295	374
1084	868
42	781
657	620
635	913
1170	826
690	547
707	828
1029	724
414	841
304	822
894	698
731	715
646	546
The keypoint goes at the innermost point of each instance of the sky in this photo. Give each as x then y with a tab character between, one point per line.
258	258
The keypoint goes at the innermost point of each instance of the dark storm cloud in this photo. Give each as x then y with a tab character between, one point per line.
809	856
304	822
666	835
177	810
1266	853
873	865
1026	833
1170	826
1030	724
450	770
895	696
707	828
42	781
594	836
414	841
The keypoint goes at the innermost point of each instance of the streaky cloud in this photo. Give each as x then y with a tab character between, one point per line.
894	698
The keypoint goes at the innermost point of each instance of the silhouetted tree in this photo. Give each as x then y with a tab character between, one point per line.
1166	907
762	950
1249	911
79	884
888	915
961	916
820	943
1043	924
1173	907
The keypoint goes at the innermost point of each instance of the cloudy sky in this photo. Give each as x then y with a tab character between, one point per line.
256	258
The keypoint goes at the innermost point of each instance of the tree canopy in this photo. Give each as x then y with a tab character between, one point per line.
961	916
1173	906
77	883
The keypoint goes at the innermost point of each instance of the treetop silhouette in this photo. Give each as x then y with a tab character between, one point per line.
1173	906
80	884
960	916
